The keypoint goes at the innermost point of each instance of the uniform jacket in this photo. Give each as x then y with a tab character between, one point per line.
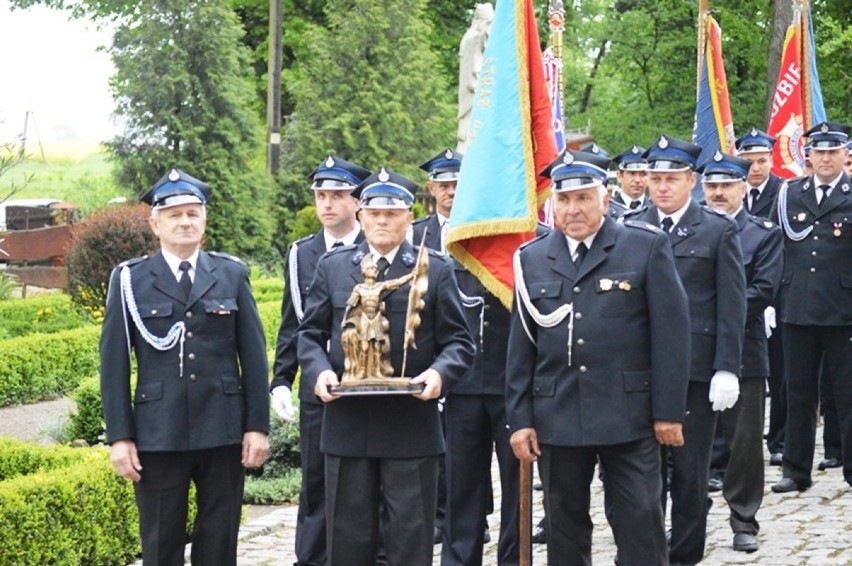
761	242
389	426
432	227
307	253
223	390
626	292
707	253
816	288
766	201
625	201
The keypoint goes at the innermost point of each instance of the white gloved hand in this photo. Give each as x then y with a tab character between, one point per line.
724	390
282	403
769	320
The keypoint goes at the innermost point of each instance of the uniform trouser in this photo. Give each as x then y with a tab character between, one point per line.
476	427
310	521
690	468
804	347
777	395
633	478
162	495
831	441
743	483
408	489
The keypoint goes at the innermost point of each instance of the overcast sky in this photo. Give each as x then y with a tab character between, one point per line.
50	66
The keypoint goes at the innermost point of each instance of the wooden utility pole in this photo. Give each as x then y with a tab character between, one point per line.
273	98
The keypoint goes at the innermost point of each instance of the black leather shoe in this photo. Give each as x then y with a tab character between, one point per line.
539	535
829	463
745	542
487	537
786	485
776	459
714	484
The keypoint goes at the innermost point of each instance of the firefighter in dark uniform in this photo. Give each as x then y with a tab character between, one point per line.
741	427
706	248
632	176
571	397
200	410
756	147
383	447
332	184
815	213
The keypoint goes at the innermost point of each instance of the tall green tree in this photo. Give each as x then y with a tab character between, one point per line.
184	93
370	89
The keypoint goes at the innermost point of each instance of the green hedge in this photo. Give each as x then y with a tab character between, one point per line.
46	313
267	289
43	366
64	506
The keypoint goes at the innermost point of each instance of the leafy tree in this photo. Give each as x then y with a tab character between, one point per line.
185	96
368	91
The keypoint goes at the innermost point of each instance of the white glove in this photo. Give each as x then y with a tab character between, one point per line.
282	403
724	390
769	320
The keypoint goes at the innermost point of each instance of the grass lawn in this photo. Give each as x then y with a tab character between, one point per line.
79	174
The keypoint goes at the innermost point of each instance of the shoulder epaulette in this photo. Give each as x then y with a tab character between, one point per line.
537	238
714	211
762	222
421	220
633	211
339	249
643	225
304	239
132	262
223	255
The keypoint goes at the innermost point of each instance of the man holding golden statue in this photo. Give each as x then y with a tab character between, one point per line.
381	354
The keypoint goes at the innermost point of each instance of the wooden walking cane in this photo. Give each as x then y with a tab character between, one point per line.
525	502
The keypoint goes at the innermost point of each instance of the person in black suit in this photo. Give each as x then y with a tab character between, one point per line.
200	410
332	184
706	248
474	410
815	213
742	426
756	147
632	178
571	398
383	447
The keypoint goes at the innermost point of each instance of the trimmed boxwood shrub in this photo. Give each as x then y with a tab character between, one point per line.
88	422
266	289
44	366
46	313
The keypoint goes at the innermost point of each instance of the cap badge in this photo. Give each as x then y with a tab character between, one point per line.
754	131
174	175
384	177
568	159
595	148
718	156
635	150
824	128
448	154
663	143
329	162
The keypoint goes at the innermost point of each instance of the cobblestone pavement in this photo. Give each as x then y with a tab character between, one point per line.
809	528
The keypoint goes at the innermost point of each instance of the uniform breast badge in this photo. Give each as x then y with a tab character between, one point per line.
801	217
837	227
605	284
624	285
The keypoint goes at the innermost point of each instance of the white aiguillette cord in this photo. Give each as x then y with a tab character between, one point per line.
175	335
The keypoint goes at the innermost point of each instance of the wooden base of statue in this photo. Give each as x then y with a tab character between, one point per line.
377	386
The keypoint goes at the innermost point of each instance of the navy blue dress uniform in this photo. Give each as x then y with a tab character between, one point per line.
741	427
816	304
760	201
631	159
333	173
383	447
585	399
707	254
201	385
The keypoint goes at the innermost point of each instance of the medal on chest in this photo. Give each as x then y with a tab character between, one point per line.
837	227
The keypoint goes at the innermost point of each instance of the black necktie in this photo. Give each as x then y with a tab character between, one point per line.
823	194
581	253
184	281
336	245
634	205
754	194
382	267
667	224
